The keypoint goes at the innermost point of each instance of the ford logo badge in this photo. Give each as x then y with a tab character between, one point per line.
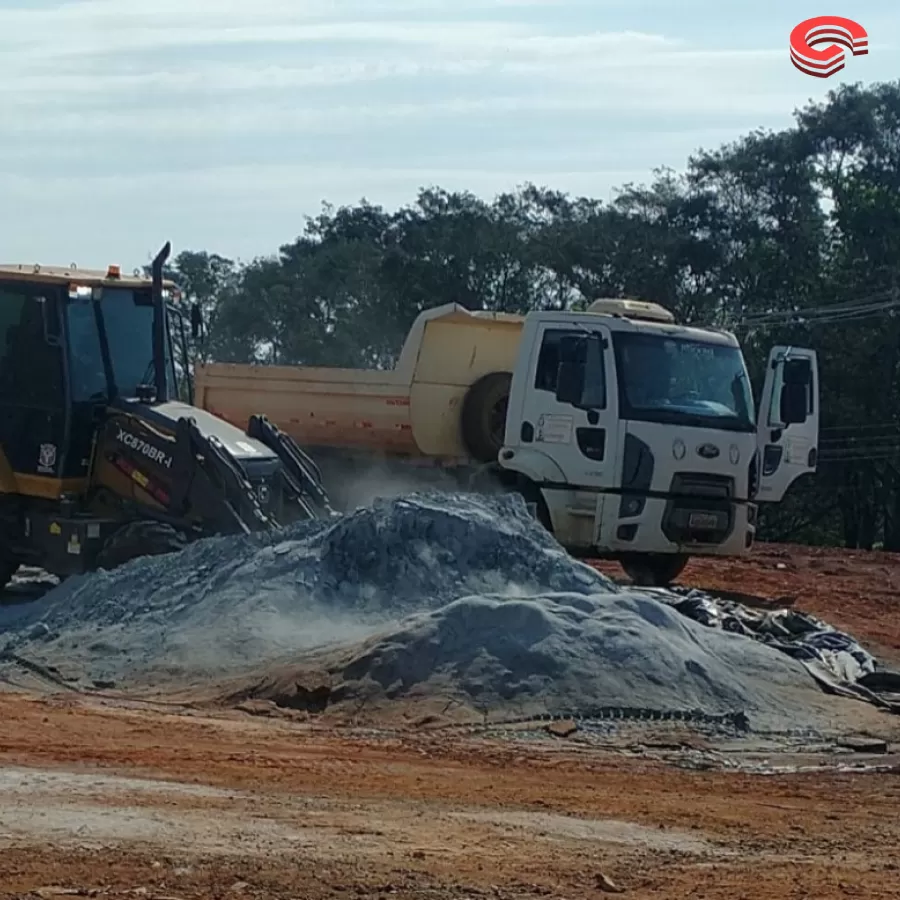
708	451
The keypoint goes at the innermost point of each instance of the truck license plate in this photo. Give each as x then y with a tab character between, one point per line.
703	521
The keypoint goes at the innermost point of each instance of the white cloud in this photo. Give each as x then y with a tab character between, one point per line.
104	26
252	104
221	78
475	39
248	181
632	89
272	120
239	211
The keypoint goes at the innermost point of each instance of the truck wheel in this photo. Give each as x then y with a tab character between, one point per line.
531	494
142	538
653	569
483	418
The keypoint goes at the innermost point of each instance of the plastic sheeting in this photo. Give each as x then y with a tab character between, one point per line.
835	659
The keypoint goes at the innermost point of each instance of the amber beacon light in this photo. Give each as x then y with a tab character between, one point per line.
837	33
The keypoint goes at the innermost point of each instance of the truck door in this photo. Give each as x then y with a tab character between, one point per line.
570	407
788	423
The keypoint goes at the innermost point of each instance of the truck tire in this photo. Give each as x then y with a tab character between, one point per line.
653	569
144	537
534	500
483	419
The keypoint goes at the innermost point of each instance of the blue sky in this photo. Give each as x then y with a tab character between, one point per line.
220	124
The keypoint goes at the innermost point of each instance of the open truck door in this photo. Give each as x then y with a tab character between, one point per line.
787	429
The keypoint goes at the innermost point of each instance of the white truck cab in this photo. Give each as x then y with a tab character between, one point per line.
641	437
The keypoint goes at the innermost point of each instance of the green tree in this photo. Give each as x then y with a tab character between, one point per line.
785	237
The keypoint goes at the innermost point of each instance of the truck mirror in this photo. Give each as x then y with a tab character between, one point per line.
570	381
798	372
793	404
571	348
196	320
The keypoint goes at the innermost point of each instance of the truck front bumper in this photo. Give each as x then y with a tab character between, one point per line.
607	524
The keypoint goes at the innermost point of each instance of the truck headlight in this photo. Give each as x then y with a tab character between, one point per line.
753	477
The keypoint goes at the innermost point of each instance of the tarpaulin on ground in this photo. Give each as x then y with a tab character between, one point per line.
835	659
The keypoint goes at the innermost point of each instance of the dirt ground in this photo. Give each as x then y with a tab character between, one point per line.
125	799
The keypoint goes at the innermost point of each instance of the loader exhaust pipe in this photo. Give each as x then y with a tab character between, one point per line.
159	323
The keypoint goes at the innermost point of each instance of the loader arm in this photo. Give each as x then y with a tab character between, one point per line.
209	479
301	475
192	477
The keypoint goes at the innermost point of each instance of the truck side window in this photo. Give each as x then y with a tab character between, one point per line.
546	375
548	361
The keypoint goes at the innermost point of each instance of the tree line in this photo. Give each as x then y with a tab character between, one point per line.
788	236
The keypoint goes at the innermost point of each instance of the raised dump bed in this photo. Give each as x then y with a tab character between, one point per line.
445	398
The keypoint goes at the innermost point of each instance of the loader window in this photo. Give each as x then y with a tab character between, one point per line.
88	377
126	318
11	306
129	331
30	368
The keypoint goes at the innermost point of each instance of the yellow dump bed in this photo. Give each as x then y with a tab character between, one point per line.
412	410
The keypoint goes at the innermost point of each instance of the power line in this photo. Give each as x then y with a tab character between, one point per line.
846	311
874	457
862	427
849	442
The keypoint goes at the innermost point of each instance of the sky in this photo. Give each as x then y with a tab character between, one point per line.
221	124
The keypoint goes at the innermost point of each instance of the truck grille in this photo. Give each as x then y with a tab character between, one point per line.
700	509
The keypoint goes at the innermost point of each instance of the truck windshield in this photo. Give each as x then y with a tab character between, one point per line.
125	318
681	381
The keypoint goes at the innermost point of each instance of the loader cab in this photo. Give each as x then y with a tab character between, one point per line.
109	342
71	343
33	418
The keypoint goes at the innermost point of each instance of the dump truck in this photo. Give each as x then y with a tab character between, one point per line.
100	462
629	435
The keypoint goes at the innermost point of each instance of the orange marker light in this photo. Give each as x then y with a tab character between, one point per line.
114	272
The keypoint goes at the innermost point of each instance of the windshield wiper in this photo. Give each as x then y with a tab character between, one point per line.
148	378
693	420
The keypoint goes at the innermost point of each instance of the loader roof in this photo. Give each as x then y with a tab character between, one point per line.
30	272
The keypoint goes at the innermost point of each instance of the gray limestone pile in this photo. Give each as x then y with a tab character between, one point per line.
463	594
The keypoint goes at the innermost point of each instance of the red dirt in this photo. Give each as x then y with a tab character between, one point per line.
325	814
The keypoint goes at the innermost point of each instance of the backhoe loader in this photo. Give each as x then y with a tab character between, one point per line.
100	462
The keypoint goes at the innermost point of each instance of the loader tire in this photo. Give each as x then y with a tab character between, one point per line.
8	568
483	419
653	569
144	537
